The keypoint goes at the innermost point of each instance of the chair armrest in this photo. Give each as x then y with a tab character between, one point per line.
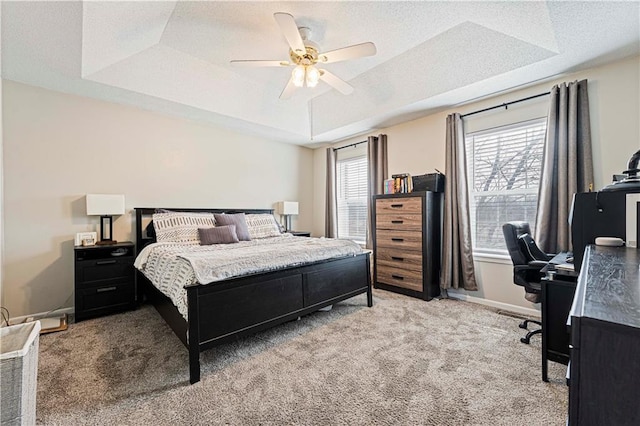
524	268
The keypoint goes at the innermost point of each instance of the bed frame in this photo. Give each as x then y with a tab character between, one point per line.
236	307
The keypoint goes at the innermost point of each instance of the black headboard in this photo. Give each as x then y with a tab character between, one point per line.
141	212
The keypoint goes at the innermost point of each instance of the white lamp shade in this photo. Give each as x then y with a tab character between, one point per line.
105	204
287	207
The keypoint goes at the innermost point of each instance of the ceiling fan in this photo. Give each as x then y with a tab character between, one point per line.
304	55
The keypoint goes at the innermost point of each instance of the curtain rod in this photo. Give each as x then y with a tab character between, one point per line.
505	105
347	146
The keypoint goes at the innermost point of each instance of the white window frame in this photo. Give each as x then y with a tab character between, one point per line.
474	194
359	153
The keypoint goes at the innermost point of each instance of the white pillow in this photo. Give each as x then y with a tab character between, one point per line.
181	227
262	226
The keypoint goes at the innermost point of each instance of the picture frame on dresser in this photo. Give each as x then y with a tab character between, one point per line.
85	238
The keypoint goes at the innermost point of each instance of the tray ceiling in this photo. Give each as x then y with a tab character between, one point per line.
173	57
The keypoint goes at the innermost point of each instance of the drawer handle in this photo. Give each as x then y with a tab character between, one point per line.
105	262
397	277
105	289
399	259
396	206
400	222
398	240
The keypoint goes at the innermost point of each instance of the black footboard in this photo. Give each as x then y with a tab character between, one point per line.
237	307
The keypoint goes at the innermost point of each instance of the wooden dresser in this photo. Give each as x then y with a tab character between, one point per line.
406	243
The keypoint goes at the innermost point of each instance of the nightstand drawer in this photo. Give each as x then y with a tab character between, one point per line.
404	222
408	205
106	297
104	269
406	240
397	258
400	277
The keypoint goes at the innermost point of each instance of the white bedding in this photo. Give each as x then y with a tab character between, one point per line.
171	267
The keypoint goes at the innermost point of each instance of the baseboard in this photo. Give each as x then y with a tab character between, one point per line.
56	313
528	312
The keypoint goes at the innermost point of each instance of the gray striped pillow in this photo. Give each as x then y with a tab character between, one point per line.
218	235
237	219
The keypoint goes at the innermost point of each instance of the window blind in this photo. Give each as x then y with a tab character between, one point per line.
352	198
504	168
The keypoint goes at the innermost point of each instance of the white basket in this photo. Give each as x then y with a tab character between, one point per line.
19	373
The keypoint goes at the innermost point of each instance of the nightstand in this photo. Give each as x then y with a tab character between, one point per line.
104	279
300	233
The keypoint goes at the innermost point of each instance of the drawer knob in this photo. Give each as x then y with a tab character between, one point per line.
398	222
397	277
105	289
399	259
105	262
398	240
396	206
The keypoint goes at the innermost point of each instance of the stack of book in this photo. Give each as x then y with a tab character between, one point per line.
398	184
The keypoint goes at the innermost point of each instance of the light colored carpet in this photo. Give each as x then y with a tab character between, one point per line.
404	361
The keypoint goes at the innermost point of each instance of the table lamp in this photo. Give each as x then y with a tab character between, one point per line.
287	209
105	206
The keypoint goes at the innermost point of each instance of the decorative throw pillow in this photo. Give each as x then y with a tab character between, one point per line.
237	219
150	231
262	226
218	235
181	227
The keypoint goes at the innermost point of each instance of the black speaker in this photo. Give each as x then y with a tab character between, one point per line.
433	182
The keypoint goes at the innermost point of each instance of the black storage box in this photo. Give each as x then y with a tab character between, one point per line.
430	182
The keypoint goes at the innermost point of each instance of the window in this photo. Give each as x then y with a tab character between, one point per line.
352	197
504	166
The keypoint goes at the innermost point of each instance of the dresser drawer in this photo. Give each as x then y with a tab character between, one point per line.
404	222
406	240
399	258
90	271
409	205
399	277
106	297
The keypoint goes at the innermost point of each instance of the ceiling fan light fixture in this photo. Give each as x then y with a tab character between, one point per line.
298	76
313	76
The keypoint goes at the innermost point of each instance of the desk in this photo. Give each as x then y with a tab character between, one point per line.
605	339
558	288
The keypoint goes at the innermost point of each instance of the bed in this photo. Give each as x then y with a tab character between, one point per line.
234	307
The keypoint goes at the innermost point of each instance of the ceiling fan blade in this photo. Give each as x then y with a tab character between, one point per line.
259	63
288	90
290	31
337	83
350	52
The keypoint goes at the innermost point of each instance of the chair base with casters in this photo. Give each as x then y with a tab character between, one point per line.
528	261
525	325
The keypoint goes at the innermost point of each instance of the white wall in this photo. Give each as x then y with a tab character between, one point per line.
417	147
59	147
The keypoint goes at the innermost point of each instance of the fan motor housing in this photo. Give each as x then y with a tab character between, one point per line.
309	58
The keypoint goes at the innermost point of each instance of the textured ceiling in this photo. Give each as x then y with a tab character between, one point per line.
174	57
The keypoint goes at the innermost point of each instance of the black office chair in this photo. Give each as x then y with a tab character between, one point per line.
527	260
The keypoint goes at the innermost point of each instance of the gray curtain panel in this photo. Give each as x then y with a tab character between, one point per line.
377	173
331	205
567	164
457	254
